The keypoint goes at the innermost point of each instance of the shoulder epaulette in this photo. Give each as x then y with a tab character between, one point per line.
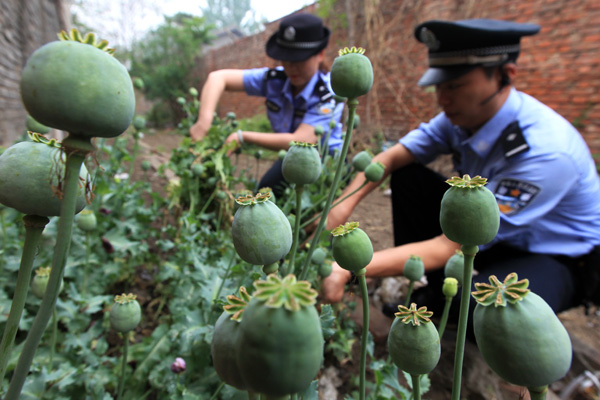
276	74
513	140
322	92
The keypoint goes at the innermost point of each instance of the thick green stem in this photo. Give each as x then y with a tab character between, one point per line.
365	331
444	318
34	226
538	393
416	386
463	316
123	365
76	150
299	190
411	286
352	104
53	338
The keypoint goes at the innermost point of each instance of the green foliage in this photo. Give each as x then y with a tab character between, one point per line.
225	14
165	57
172	247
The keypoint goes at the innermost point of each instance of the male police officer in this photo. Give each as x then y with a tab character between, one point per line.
537	165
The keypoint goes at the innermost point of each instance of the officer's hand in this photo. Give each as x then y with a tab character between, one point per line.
332	287
233	137
198	131
337	216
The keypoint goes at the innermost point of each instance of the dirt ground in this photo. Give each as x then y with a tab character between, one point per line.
479	382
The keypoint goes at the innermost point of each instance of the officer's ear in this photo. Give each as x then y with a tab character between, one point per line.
508	73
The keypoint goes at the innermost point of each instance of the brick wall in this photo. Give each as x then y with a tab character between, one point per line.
560	66
25	26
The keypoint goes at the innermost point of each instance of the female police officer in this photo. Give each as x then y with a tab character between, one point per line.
298	94
537	165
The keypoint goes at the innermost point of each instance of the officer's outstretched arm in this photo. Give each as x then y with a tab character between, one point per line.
217	82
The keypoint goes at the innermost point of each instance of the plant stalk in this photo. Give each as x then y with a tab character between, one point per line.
352	104
365	331
123	365
465	297
34	226
53	338
411	286
416	386
444	318
538	393
76	149
299	190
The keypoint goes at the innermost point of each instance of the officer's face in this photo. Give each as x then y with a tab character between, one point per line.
300	72
469	101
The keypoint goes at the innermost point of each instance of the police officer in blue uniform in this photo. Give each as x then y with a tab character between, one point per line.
537	165
298	95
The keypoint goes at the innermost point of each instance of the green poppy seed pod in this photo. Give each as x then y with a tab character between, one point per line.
77	86
230	115
281	154
181	101
352	248
361	161
225	338
139	122
146	165
414	342
455	266
351	73
42	162
280	345
269	191
193	92
374	171
34	126
518	334
414	269
197	169
450	287
318	256
138	83
40	282
125	314
469	213
319	131
260	230
302	164
325	270
86	220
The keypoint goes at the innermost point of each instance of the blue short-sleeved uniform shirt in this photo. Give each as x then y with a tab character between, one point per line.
537	165
314	105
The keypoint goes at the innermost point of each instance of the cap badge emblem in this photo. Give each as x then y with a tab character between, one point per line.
289	34
429	39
